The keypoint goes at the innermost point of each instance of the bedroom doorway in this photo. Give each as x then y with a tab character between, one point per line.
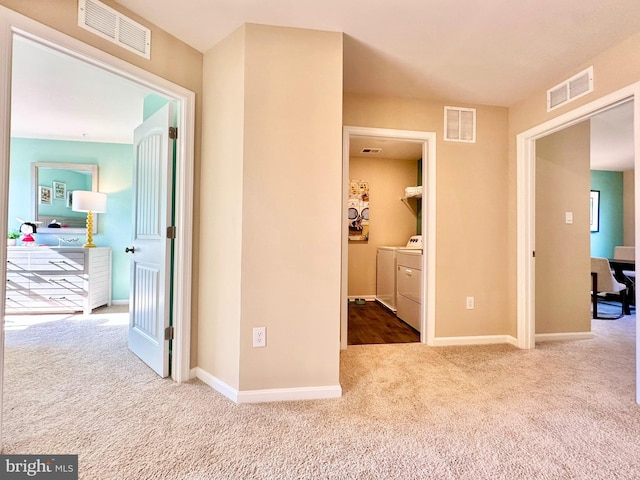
12	25
526	160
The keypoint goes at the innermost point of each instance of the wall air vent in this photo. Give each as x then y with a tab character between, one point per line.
371	150
460	124
569	90
108	23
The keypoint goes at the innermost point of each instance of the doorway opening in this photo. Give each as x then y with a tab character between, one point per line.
526	201
418	222
19	26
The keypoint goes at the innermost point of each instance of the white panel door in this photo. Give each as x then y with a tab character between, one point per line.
149	297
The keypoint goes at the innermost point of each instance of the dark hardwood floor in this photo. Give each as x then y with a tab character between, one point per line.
372	323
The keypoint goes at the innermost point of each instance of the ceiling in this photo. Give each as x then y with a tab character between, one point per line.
493	52
459	53
58	97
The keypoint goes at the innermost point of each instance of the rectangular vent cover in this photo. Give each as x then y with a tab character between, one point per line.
460	124
569	90
108	23
371	150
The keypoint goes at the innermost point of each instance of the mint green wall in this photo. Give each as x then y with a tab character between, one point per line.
610	185
153	103
115	174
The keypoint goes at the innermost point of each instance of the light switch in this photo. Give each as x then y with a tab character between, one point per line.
568	217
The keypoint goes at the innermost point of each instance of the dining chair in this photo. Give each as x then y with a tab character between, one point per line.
603	282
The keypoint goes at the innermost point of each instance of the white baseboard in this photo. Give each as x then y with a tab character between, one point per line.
546	337
119	302
368	298
267	395
290	394
477	340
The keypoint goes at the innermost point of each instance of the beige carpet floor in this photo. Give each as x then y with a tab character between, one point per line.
565	410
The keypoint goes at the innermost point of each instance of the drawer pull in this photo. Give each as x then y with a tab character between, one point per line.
57	298
58	262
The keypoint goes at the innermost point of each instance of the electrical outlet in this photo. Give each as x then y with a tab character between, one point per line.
471	303
260	336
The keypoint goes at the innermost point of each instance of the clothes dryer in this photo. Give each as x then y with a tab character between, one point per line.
386	271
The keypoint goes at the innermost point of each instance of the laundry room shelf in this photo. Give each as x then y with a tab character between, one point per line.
412	202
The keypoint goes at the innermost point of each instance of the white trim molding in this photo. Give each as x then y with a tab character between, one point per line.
268	395
548	337
475	340
290	394
368	298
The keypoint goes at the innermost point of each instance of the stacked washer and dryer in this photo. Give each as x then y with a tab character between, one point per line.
399	280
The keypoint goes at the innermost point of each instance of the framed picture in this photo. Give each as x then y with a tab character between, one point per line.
594	211
44	195
70	199
59	191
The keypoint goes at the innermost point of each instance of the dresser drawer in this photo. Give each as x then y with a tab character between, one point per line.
18	281
66	282
57	262
55	304
17	300
18	262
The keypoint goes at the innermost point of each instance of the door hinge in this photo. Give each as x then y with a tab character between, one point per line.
168	333
171	232
173	133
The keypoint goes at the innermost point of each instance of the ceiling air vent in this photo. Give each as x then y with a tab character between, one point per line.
371	150
569	90
460	124
108	23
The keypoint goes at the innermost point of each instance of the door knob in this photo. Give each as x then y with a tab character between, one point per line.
130	250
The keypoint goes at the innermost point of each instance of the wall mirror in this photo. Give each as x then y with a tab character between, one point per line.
52	186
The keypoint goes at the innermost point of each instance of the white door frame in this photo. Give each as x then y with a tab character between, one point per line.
526	164
428	308
13	23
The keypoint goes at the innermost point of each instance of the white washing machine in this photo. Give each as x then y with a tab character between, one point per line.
386	272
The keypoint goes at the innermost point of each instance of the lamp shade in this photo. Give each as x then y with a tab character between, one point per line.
85	201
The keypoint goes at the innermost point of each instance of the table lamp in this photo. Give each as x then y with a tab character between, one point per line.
90	202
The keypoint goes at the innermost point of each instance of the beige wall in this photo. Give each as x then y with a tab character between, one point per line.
221	221
563	250
391	223
472	222
613	69
171	59
284	189
628	208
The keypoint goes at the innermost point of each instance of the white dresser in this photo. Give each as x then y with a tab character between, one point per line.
57	279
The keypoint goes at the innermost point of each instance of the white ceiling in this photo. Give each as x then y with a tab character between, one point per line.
612	146
493	54
58	97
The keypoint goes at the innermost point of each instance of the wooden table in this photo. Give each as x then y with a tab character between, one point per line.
619	266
